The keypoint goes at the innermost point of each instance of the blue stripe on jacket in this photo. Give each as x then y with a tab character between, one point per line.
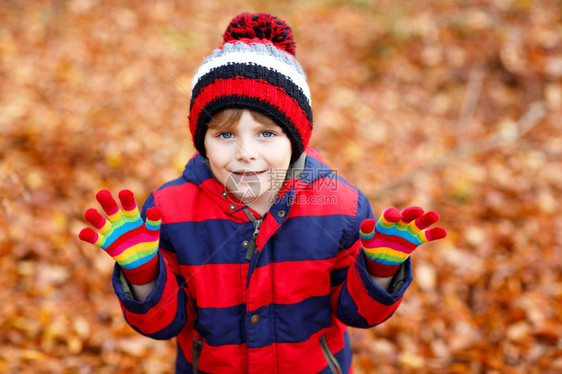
312	318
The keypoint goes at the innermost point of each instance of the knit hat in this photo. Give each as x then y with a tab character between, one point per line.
254	69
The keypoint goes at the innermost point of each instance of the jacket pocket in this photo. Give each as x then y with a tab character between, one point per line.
197	347
330	358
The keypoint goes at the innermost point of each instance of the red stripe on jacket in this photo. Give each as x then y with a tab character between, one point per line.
370	309
212	359
209	280
289	276
346	258
325	197
207	206
172	260
306	357
229	281
161	314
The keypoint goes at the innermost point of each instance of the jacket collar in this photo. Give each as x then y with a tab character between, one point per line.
302	172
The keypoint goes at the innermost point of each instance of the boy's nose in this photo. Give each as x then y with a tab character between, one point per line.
246	152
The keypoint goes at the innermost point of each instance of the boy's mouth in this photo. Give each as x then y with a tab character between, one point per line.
248	176
248	173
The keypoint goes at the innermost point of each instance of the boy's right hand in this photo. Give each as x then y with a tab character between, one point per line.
124	236
392	239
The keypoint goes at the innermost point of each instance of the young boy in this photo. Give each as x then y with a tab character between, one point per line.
259	255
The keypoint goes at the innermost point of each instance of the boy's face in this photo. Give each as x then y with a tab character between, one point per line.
250	158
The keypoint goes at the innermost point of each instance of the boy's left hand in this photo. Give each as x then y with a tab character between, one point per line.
396	235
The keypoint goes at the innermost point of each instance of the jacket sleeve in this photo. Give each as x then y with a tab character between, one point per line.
356	300
167	308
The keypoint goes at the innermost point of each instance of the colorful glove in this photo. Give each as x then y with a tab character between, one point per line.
396	236
125	237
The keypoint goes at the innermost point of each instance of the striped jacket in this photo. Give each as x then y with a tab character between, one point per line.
251	294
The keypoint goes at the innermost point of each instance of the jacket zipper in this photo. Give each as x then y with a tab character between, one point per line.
332	362
197	347
257	224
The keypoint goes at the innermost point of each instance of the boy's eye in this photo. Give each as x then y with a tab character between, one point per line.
226	135
267	134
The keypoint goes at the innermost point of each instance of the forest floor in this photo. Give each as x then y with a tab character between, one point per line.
430	103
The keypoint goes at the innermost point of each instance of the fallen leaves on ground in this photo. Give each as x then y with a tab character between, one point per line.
451	107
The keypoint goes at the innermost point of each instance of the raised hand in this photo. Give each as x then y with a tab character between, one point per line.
395	236
124	236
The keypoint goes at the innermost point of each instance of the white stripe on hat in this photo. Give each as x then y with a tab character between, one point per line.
257	58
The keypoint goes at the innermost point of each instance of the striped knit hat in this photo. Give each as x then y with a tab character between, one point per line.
254	69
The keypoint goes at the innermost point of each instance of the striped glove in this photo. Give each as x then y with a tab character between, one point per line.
125	237
396	235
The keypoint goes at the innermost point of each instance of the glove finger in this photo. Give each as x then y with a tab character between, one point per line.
411	213
109	205
129	204
435	233
367	229
391	215
426	220
89	235
97	220
153	219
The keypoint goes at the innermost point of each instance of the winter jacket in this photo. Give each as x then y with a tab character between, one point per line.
249	294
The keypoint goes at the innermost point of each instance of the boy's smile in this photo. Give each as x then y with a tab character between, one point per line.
248	173
251	159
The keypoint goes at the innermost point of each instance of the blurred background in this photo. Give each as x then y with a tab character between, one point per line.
454	106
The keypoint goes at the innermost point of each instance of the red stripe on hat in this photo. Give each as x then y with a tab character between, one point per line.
257	89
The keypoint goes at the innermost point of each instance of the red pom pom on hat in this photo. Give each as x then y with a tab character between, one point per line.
248	26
